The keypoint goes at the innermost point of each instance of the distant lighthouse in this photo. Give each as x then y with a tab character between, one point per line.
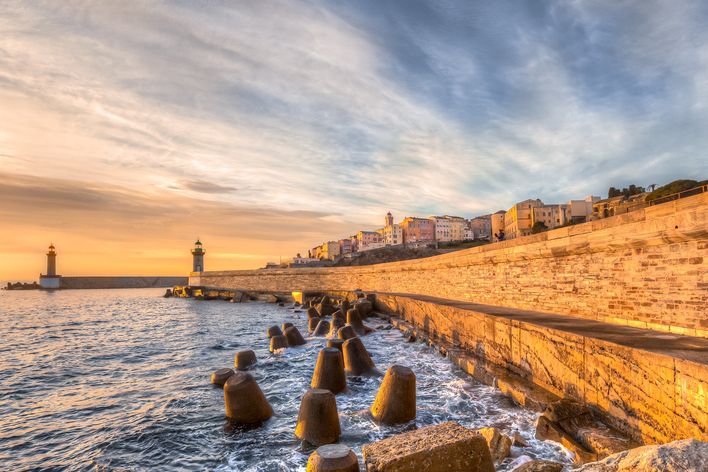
50	280
198	257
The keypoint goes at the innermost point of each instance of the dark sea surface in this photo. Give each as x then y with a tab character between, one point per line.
119	380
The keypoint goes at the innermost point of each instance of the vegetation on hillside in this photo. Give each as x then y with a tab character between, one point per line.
675	187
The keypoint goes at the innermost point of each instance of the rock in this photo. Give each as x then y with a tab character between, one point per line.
312	324
244	400
322	328
219	377
519	440
499	444
446	447
686	455
318	421
336	343
281	304
333	458
364	307
572	424
278	342
270	298
356	359
334	327
325	309
274	331
537	465
329	371
244	359
168	293
346	332
395	401
294	336
354	320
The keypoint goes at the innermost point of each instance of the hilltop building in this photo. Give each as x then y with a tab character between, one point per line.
198	257
418	230
449	228
391	233
50	280
497	222
480	228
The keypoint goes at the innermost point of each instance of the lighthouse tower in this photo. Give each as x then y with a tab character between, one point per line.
50	280
198	257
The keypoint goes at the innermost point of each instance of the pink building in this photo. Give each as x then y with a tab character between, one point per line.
418	230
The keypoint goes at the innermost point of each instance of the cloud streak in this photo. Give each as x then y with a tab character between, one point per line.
349	109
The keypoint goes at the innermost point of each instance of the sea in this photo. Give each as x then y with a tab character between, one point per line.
120	380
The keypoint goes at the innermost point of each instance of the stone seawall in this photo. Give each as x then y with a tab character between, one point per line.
645	269
649	385
120	282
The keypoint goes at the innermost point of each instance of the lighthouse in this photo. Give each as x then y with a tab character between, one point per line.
198	257
50	280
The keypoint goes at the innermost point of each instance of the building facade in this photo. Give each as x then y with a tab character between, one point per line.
416	230
330	250
481	227
518	220
497	222
366	240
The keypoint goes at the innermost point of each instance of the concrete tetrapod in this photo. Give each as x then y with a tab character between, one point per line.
336	343
329	371
286	325
356	359
322	328
274	331
333	458
312	324
345	306
219	377
346	332
244	359
334	327
312	312
318	421
294	336
354	320
244	400
395	400
278	342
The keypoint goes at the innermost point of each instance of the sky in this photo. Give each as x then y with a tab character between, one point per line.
128	129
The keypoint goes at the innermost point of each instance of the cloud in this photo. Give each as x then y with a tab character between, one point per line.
350	109
204	186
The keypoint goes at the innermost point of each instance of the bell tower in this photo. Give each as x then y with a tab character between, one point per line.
198	257
389	219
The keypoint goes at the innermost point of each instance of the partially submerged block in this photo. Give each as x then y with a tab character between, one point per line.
446	447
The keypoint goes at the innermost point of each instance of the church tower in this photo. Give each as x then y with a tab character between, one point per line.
50	280
389	219
198	257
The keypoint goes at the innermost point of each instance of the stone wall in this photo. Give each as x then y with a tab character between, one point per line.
643	269
649	385
120	282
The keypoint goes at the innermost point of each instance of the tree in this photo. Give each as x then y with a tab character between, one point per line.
613	192
538	227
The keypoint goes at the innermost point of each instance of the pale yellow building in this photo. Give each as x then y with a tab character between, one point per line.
518	220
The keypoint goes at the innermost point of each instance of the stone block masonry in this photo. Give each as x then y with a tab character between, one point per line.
645	269
120	282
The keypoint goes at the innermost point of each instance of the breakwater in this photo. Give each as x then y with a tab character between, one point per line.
106	282
610	313
645	269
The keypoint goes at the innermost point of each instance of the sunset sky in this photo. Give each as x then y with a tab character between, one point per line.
129	129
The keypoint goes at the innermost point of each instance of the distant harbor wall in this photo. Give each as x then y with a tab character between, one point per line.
645	269
120	282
